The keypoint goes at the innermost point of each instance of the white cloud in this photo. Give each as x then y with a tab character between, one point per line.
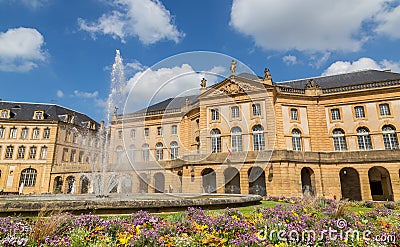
364	63
21	49
290	60
308	25
86	95
60	94
34	3
151	86
389	22
148	20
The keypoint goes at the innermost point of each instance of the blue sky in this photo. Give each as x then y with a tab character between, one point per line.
62	51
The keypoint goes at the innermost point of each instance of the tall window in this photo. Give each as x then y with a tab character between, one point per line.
359	112
120	134
119	154
258	138
28	177
236	139
46	133
72	156
9	152
132	153
390	137
65	153
13	133
43	153
339	140
296	140
174	150
75	138
256	109
235	111
384	109
159	151
215	141
335	114
214	114
145	152
35	134
24	133
364	139
2	131
32	153
146	132
294	115
159	131
21	152
174	129
133	133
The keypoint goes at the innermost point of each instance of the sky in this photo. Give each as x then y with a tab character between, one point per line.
62	52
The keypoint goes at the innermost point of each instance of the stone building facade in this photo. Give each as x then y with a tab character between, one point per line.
324	136
46	148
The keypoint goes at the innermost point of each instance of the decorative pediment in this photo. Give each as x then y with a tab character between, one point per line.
233	88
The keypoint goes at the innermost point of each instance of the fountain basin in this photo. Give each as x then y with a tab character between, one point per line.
32	205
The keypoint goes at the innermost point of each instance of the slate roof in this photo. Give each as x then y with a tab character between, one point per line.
24	112
353	78
171	103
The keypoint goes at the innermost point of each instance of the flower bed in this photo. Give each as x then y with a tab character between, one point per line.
317	222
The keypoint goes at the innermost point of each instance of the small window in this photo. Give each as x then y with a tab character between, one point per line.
384	109
35	134
5	113
75	138
214	114
21	152
2	131
46	133
24	133
335	114
9	152
359	112
38	115
174	129
146	132
13	133
32	153
256	109
294	115
120	134
43	153
235	111
133	133
159	131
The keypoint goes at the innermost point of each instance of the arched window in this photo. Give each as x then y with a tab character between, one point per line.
132	153
296	140
28	177
174	150
119	154
145	152
236	139
339	140
215	141
364	139
258	137
390	137
159	151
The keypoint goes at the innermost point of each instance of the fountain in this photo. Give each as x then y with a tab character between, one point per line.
104	197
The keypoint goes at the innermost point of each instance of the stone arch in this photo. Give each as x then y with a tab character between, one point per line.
84	184
232	181
257	185
209	180
71	185
58	183
350	184
159	182
380	184
307	181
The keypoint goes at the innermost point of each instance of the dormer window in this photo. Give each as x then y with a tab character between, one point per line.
91	125
69	118
38	115
5	113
